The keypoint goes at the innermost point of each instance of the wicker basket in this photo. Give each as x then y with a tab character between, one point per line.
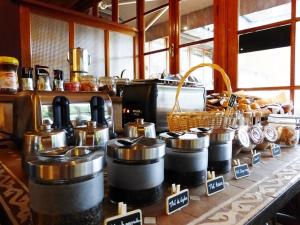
183	121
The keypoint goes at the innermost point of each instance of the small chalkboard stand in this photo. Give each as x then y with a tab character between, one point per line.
174	201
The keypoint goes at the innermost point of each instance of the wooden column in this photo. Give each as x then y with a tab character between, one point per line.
293	51
140	7
115	10
232	41
174	35
71	35
25	36
220	41
106	53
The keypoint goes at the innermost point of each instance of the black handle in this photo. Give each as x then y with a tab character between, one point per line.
98	110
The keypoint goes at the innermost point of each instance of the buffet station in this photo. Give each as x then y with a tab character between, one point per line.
163	152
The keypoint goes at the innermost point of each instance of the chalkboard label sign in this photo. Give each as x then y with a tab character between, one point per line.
177	201
129	218
241	171
214	185
276	151
232	100
256	158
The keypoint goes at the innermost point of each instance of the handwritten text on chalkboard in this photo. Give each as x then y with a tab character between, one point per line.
130	218
241	171
177	201
214	185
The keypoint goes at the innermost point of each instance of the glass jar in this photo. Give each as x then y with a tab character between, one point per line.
88	83
108	85
287	127
72	86
8	74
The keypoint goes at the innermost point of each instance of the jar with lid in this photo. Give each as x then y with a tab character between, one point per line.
8	75
66	186
287	127
27	79
88	83
139	128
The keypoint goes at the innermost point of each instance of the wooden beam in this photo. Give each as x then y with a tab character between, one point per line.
25	36
232	40
141	37
106	53
70	15
220	42
115	10
174	35
293	51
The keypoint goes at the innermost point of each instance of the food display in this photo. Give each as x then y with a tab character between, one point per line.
88	83
8	74
72	86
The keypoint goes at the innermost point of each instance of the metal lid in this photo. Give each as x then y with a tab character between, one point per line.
45	131
256	135
63	164
91	126
221	135
9	60
243	137
140	123
186	141
270	133
143	150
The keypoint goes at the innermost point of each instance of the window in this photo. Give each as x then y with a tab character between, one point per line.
193	55
121	55
297	74
255	13
196	20
298	7
156	64
93	40
297	101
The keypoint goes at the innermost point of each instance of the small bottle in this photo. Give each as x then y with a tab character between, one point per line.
27	79
58	81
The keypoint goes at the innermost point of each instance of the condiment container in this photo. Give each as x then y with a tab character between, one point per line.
91	135
27	79
270	136
241	140
66	187
42	78
186	158
220	150
287	127
8	75
139	128
256	135
58	81
72	86
88	83
135	171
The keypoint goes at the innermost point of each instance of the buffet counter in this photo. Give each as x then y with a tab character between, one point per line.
250	200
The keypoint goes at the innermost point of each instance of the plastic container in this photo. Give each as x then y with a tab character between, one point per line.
8	75
287	127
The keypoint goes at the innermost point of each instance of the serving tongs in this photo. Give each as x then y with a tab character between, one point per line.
175	134
130	142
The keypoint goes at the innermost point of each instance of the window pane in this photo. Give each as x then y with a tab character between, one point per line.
297	103
193	55
196	20
257	12
265	68
93	40
278	94
156	64
297	75
298	8
121	55
126	12
49	43
157	29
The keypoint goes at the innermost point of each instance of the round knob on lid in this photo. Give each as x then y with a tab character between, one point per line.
139	121
45	127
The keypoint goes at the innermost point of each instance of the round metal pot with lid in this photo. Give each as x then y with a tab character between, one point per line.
186	158
91	135
135	170
45	138
220	150
66	186
140	128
